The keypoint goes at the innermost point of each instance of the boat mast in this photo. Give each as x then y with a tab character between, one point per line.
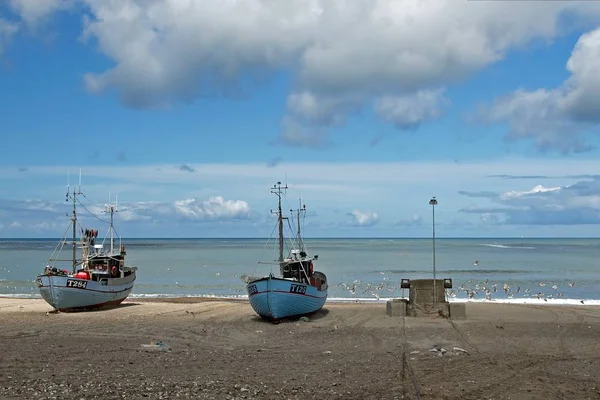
278	190
112	209
302	208
74	220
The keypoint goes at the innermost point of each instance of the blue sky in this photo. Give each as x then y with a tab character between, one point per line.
191	111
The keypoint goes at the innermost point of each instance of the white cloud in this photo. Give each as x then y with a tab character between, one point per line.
557	118
408	112
33	11
45	216
345	55
364	218
576	204
234	199
489	219
213	208
29	13
537	189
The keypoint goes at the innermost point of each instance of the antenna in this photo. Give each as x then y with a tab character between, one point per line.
73	196
301	210
278	190
111	209
68	184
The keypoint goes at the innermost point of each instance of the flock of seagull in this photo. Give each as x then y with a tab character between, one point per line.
486	290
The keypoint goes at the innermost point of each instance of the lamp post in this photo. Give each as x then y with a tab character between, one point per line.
433	202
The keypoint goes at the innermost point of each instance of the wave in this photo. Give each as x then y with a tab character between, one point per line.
504	246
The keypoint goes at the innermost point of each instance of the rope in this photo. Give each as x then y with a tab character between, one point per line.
263	252
91	213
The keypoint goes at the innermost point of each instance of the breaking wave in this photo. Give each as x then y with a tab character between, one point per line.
504	246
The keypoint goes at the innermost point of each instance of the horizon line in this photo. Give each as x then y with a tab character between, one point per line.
329	237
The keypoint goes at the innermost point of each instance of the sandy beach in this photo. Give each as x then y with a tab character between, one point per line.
221	350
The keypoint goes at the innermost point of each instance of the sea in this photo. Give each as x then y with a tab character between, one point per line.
560	271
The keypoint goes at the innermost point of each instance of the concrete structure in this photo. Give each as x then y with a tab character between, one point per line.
421	301
421	291
396	308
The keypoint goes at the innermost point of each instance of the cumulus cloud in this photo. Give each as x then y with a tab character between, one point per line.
558	118
33	11
394	56
213	208
32	216
576	204
364	218
38	215
408	112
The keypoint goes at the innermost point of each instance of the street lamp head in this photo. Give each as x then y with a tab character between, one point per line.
433	201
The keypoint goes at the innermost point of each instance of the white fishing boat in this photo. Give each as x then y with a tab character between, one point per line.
298	289
98	279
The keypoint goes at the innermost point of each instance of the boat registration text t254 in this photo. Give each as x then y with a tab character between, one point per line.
252	289
76	284
298	289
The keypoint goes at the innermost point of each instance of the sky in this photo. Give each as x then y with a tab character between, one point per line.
186	113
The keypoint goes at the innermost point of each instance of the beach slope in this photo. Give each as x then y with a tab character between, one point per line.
221	350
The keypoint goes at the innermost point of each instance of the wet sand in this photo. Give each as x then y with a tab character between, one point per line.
221	350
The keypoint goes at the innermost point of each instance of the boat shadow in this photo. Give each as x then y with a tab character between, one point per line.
100	309
317	315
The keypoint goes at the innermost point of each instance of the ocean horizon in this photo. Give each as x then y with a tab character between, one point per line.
512	270
124	238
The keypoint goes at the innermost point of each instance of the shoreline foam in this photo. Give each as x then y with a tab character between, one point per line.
334	300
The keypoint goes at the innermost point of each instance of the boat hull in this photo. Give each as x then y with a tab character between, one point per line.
277	298
70	294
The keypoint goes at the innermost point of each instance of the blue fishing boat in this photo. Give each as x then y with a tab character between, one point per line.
98	279
298	290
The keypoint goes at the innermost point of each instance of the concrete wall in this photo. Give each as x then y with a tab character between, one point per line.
421	291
